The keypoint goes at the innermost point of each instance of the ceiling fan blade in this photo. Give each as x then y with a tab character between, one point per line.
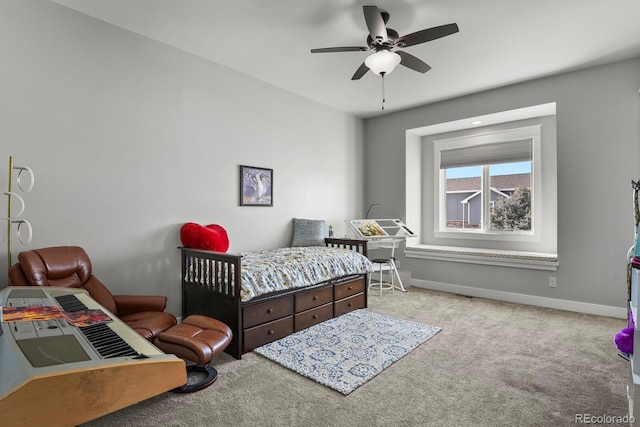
427	35
360	72
412	62
375	23
339	49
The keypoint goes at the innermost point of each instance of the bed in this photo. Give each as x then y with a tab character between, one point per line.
215	284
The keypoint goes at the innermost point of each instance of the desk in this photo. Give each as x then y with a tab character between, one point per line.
383	233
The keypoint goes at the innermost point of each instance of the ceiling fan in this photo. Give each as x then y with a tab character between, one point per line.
384	39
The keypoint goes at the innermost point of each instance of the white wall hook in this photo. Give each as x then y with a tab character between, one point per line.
27	225
17	196
19	179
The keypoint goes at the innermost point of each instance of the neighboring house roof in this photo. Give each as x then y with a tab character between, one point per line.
495	190
502	182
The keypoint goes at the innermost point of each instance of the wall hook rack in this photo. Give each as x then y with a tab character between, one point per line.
12	217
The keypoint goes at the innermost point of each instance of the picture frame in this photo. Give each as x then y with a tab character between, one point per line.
256	186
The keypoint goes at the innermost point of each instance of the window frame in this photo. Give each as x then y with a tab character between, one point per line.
532	133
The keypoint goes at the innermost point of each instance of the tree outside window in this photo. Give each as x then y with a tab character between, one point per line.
513	212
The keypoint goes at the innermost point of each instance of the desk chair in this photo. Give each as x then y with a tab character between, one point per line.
389	264
379	264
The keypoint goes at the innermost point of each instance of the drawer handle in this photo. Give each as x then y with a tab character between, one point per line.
315	316
315	298
349	304
350	288
270	310
270	332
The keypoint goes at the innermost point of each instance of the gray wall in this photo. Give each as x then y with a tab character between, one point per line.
598	144
130	138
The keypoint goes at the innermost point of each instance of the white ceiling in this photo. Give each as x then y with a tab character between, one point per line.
500	42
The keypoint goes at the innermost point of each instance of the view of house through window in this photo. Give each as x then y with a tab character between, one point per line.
463	197
486	183
509	207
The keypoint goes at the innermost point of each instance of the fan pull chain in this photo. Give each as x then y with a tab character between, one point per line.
382	75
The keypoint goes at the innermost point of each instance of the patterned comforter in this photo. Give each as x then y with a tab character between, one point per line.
288	268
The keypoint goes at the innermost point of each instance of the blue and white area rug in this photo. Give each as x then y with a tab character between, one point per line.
345	352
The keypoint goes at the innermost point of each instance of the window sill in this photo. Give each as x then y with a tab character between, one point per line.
531	260
493	237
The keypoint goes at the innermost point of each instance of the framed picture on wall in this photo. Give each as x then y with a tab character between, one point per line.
256	186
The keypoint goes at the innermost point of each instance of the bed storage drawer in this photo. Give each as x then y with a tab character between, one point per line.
347	289
263	334
267	311
314	316
349	304
313	298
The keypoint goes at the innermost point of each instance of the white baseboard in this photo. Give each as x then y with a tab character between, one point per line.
580	307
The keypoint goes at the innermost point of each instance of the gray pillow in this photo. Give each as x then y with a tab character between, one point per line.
308	232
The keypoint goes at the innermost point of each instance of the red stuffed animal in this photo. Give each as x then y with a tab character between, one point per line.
211	237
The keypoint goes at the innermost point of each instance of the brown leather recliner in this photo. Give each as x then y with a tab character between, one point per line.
70	266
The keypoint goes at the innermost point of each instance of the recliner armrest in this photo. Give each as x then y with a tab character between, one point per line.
128	304
16	276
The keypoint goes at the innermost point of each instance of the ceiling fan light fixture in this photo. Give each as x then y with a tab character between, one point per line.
382	62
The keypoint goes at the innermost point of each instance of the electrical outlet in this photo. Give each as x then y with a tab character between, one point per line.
553	282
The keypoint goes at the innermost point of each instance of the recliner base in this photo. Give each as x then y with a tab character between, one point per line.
198	378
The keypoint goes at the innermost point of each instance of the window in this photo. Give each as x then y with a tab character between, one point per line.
509	204
485	185
512	158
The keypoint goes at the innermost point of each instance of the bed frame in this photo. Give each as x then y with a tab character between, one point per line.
211	287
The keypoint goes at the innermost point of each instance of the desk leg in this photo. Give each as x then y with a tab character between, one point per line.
395	271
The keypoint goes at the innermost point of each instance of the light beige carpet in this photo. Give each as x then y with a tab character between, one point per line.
493	364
